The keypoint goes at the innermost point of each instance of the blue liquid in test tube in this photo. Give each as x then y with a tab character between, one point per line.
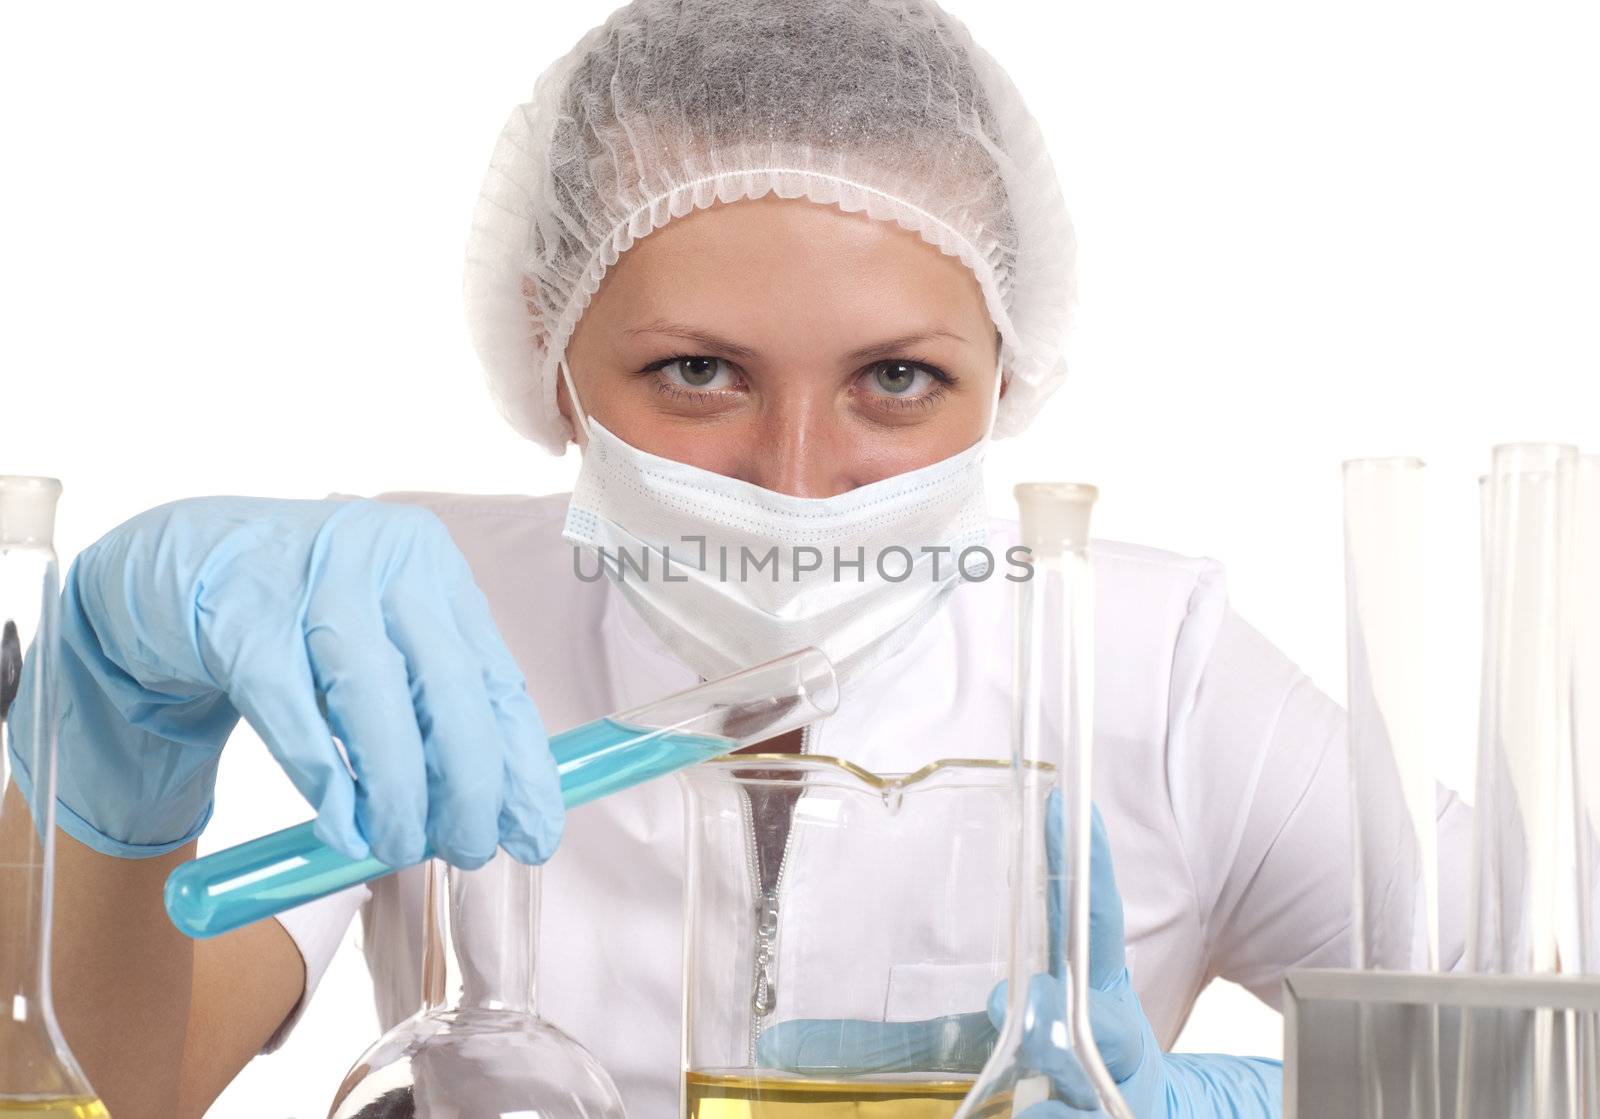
266	876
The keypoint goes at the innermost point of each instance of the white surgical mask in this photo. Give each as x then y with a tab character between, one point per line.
728	574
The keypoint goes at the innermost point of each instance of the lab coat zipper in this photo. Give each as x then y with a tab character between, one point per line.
753	864
764	987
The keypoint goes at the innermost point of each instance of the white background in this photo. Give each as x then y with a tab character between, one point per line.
230	262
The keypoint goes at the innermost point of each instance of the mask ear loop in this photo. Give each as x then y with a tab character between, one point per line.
994	404
572	395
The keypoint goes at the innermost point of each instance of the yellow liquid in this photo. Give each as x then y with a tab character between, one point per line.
76	1108
716	1096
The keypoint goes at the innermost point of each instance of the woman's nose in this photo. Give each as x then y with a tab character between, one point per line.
800	455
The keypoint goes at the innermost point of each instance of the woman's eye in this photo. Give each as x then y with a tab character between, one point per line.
697	373
899	378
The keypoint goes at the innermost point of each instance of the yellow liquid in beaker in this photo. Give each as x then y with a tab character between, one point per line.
79	1107
721	1096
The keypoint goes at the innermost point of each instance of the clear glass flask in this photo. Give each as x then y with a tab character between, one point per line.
844	931
478	1049
1052	732
38	1076
1393	793
1509	1064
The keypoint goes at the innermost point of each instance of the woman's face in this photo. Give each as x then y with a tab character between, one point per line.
787	344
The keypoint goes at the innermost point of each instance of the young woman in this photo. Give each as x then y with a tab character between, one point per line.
781	269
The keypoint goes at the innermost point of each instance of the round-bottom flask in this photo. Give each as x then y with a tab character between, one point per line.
486	1054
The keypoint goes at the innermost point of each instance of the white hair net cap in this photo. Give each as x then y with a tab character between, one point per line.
885	107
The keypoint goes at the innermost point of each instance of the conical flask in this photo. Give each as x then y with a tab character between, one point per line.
478	1049
1052	732
38	1076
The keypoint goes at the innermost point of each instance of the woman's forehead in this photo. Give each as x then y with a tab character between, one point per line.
752	259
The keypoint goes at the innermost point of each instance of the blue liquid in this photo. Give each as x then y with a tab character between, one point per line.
266	876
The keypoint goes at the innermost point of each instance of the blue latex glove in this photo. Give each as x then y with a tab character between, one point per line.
310	619
1155	1084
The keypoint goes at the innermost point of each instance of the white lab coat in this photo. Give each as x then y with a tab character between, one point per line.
1219	770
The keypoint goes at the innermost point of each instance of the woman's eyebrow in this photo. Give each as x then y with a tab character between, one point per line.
712	341
894	345
693	334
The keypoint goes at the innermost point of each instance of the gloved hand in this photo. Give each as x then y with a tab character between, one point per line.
311	619
1156	1085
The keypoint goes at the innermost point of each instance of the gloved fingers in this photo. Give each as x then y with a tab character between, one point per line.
365	685
1107	955
461	738
1107	952
1118	1026
847	1047
1046	1045
532	813
998	1003
271	685
1056	883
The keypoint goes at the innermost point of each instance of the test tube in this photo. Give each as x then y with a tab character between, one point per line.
1585	708
264	877
1508	1061
1393	797
1516	859
1396	841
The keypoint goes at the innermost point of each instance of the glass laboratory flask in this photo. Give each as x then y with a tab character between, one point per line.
844	932
1052	729
478	1049
38	1076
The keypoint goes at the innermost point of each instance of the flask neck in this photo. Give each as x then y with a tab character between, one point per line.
480	936
24	915
34	1058
28	618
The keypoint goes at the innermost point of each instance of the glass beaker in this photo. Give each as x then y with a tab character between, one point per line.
38	1076
844	932
478	1049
